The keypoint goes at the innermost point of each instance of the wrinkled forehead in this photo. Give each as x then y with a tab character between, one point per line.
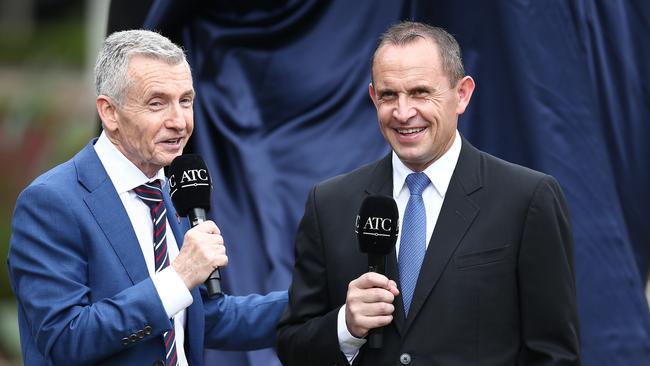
418	57
139	63
143	70
420	46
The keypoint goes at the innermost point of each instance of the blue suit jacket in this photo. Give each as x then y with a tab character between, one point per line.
82	284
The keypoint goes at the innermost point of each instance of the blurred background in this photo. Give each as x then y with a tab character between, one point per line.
47	48
562	88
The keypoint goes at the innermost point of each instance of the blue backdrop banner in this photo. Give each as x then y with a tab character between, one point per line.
562	87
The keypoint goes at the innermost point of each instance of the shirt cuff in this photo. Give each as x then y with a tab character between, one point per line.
172	291
348	343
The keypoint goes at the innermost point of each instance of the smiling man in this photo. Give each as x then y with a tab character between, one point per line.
103	272
482	273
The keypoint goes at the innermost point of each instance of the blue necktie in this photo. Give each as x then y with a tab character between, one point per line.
413	241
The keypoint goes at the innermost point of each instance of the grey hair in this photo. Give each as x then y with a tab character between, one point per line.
406	32
111	67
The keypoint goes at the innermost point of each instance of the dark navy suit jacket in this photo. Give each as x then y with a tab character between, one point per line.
496	286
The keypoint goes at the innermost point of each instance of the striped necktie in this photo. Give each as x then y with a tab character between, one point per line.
151	194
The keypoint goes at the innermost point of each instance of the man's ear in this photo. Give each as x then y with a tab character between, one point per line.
373	95
465	89
107	112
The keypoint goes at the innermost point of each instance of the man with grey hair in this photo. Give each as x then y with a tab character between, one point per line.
482	272
103	271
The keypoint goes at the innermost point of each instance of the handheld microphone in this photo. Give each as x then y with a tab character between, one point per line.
377	227
190	186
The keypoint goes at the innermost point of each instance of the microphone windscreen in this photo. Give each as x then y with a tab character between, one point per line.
189	183
377	225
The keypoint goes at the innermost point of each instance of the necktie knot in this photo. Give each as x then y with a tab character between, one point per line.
417	182
150	193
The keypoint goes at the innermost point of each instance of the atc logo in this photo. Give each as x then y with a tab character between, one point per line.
375	226
189	178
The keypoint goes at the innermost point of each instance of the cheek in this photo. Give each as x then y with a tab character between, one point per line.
384	115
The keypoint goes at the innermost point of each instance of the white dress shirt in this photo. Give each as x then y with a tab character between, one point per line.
171	289
439	174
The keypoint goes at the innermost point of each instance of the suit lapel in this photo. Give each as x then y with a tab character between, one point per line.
456	216
107	209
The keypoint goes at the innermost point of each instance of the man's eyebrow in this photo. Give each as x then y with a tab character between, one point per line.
155	94
159	94
384	89
422	87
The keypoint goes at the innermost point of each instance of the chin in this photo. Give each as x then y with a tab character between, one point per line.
410	156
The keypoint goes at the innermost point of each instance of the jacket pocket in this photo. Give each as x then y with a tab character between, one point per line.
483	257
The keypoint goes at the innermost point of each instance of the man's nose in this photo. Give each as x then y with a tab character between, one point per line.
175	118
403	110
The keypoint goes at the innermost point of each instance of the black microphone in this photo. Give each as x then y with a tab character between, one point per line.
189	187
377	227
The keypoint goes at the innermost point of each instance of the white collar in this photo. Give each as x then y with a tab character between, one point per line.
122	172
439	172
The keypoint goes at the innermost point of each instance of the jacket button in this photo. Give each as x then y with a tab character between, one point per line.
125	341
405	359
133	337
141	334
147	330
158	363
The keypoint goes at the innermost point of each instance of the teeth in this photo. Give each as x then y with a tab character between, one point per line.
406	131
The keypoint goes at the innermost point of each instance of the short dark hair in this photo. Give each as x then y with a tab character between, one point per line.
406	32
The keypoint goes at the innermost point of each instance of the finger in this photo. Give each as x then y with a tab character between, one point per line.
376	295
374	301
358	324
376	309
209	239
370	322
393	288
220	250
370	280
208	227
220	261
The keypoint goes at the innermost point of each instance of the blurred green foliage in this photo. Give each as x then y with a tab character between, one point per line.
53	34
54	43
46	115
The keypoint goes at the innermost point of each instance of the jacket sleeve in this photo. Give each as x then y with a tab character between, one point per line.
242	323
547	281
48	267
307	333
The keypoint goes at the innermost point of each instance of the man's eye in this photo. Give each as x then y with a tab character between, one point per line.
187	101
387	96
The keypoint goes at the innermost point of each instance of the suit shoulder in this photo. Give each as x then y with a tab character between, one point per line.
351	182
513	182
57	175
55	180
498	168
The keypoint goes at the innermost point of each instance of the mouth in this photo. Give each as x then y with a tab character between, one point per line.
409	131
174	141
